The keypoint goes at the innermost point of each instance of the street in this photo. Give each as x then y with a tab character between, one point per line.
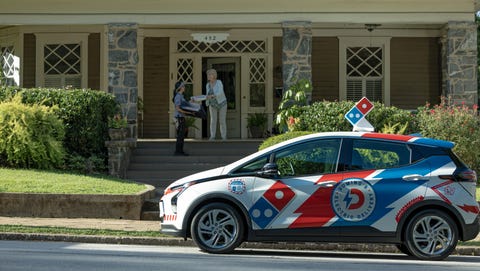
52	256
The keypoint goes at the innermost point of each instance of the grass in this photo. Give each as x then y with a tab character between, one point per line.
55	182
74	231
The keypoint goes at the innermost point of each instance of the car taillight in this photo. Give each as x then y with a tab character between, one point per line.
466	175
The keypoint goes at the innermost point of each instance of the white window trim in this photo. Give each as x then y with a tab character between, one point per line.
62	38
345	42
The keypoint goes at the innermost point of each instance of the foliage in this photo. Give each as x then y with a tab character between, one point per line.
84	114
459	124
30	135
396	128
280	138
257	120
294	98
328	116
117	122
257	124
190	123
86	165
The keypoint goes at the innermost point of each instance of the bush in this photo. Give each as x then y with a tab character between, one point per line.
280	138
459	124
30	135
292	100
330	116
85	115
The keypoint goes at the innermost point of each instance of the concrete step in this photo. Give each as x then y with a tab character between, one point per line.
153	162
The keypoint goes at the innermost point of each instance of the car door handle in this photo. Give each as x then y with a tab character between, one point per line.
327	184
414	177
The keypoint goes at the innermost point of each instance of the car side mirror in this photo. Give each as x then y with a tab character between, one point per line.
268	170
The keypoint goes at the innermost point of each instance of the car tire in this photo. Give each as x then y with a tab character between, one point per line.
217	228
431	235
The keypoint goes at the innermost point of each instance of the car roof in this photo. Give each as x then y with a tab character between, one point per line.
415	139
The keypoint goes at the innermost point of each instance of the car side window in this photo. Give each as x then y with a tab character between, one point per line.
310	158
253	166
374	154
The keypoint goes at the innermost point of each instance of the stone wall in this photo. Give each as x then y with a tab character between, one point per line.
459	62
123	70
296	53
119	152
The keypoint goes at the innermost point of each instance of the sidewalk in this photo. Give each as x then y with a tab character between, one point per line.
84	223
147	225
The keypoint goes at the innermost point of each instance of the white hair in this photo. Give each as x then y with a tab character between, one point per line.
212	71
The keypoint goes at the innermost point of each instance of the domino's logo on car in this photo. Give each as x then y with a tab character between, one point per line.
356	115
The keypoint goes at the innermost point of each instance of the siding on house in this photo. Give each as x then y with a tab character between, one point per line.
155	88
325	69
277	70
29	55
415	72
94	61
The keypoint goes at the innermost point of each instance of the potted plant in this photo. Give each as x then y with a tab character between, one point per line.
257	124
117	127
189	123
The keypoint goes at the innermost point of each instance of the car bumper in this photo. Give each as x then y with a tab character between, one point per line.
471	230
171	230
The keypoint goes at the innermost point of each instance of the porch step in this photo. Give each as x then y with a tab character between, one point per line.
153	162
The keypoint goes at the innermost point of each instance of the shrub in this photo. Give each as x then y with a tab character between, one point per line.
459	124
330	116
280	138
293	99
85	115
30	135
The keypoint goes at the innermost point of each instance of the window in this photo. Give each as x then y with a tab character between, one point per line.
253	166
311	158
257	82
372	154
364	69
63	60
10	66
62	65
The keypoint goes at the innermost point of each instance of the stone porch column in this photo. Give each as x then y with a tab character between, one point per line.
123	70
459	62
297	53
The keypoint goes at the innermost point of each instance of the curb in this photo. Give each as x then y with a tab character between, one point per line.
154	241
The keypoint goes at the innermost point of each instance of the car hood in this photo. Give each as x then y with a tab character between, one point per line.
198	176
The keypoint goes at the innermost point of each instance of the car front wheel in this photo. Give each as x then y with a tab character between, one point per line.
431	235
217	228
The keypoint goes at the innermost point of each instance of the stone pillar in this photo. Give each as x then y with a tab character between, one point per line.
297	53
119	156
459	62
123	70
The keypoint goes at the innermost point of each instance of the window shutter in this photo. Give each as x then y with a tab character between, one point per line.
374	90
354	90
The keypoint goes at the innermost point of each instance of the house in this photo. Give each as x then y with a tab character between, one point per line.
400	52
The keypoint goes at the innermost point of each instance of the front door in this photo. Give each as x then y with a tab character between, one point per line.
228	71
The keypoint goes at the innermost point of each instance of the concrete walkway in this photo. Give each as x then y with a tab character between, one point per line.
84	223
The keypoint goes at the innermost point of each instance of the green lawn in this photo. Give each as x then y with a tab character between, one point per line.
36	181
72	231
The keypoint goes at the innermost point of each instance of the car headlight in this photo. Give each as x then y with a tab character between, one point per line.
179	190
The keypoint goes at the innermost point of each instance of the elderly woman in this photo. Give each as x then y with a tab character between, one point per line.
217	104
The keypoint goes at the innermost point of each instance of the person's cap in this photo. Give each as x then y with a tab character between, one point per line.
179	85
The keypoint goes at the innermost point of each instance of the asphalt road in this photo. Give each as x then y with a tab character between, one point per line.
53	256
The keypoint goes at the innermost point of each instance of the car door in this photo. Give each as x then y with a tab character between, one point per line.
376	186
298	197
